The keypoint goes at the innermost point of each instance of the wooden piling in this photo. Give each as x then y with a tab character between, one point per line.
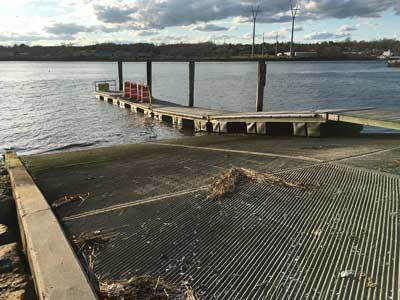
149	76
191	83
261	81
120	76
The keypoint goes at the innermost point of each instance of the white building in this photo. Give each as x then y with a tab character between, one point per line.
389	54
300	54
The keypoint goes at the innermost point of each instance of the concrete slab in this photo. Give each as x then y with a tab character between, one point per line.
383	161
55	268
322	149
137	172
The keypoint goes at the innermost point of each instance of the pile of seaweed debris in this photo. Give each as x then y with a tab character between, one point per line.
227	182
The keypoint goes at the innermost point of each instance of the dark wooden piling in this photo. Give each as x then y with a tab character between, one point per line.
149	75
120	76
261	81
191	83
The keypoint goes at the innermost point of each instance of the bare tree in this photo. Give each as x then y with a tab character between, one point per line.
294	9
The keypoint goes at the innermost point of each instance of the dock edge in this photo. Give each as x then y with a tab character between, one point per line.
56	270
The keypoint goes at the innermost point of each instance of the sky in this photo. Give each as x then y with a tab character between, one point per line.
83	22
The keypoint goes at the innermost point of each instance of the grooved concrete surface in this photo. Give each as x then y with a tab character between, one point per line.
263	241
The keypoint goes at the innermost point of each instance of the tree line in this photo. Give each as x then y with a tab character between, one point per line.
108	51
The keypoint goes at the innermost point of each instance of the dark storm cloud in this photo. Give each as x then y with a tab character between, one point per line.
160	14
116	15
397	8
155	14
341	9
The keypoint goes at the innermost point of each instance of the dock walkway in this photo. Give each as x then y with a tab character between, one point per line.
298	123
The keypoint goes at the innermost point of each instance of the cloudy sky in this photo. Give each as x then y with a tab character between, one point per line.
80	22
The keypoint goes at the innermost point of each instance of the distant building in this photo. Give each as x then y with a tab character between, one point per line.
299	54
389	54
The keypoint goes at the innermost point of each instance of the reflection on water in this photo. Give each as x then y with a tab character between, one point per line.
48	106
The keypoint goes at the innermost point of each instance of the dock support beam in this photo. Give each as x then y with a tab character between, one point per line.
261	80
149	76
120	76
191	83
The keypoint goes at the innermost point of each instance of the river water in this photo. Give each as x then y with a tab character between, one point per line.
50	106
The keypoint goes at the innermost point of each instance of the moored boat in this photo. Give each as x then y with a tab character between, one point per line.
394	63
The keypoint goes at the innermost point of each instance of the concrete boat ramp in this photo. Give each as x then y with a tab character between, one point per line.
317	123
336	237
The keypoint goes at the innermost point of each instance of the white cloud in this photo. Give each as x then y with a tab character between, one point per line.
249	35
55	19
283	33
317	36
210	27
146	33
166	13
344	29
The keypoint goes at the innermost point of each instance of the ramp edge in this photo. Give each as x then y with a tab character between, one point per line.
56	270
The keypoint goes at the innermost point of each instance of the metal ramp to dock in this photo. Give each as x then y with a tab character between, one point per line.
315	123
372	117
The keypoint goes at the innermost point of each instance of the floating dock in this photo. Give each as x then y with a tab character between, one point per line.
316	123
298	123
338	238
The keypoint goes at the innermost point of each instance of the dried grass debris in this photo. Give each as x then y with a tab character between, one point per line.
370	283
138	287
190	294
95	239
69	199
143	287
227	182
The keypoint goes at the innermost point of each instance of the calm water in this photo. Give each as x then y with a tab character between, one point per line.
48	106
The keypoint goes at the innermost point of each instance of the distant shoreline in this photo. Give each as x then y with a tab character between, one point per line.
190	59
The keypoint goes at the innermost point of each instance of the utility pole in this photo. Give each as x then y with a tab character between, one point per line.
254	11
294	10
276	45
